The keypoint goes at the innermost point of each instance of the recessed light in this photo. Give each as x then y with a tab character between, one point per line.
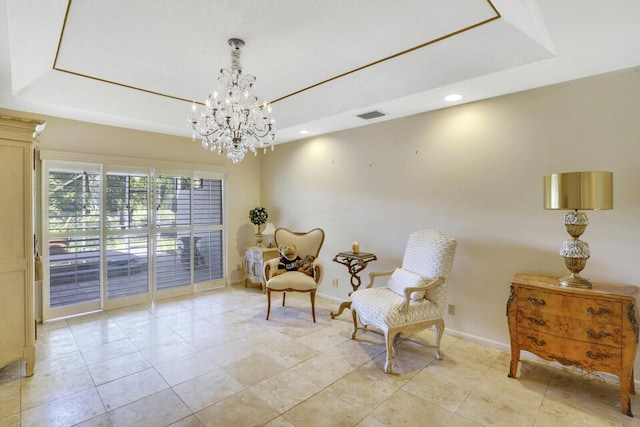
453	97
303	132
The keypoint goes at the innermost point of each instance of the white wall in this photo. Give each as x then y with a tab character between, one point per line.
474	171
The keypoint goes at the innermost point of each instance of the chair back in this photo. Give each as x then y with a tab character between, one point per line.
307	243
429	253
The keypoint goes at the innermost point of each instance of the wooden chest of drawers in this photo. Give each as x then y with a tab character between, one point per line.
593	329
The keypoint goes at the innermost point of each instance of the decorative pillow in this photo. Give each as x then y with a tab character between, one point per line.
401	279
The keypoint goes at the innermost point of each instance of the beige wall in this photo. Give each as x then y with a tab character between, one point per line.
152	149
473	171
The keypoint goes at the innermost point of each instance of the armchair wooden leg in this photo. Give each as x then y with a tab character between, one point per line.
268	302
284	294
389	343
355	323
394	345
313	305
439	331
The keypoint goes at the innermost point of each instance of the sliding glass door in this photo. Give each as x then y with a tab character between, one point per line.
73	197
188	233
127	235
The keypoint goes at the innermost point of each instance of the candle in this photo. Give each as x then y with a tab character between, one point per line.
355	247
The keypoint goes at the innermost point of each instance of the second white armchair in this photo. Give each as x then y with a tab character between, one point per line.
415	295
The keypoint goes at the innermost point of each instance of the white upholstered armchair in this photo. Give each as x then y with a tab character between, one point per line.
415	296
308	243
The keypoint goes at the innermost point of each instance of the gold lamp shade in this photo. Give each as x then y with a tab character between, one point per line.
576	191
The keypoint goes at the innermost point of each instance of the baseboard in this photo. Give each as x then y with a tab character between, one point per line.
330	298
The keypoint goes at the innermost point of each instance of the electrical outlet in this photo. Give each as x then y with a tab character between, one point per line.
334	282
451	309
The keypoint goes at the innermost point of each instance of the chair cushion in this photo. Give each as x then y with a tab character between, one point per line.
292	280
379	306
401	279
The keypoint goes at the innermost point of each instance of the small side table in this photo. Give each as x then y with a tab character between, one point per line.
254	259
355	262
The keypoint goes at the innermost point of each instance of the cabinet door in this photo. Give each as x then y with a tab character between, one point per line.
15	209
17	329
13	327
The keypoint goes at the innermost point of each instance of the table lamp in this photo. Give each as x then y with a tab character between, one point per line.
268	231
577	191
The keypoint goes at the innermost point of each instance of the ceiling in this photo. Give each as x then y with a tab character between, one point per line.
140	63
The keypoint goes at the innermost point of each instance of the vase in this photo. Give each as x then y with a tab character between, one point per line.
259	238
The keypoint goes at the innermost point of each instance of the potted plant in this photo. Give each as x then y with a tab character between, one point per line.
258	216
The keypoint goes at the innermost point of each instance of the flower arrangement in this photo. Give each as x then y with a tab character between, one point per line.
258	216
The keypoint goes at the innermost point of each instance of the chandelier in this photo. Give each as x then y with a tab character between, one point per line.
233	121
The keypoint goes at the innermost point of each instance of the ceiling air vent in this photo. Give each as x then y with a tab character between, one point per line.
371	115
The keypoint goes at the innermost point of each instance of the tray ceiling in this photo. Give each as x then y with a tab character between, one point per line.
140	63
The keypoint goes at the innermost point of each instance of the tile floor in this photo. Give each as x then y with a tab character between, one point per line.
213	360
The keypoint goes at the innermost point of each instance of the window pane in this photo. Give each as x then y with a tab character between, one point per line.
173	265
173	201
127	201
74	200
208	256
207	202
74	270
127	266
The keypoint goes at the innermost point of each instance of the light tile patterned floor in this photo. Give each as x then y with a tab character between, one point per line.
213	360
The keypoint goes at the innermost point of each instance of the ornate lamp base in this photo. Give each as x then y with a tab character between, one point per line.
575	281
575	266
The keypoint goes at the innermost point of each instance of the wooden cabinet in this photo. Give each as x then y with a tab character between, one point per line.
593	329
17	318
254	258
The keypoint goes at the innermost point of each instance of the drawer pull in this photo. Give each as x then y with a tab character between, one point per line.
535	301
536	341
598	356
535	321
602	334
600	312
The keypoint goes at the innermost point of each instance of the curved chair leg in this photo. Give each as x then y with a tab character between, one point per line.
389	342
439	331
268	302
313	305
394	344
355	323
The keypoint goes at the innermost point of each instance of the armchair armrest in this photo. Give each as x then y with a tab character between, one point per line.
269	267
374	274
318	270
407	293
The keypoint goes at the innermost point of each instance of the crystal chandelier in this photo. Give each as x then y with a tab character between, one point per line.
233	121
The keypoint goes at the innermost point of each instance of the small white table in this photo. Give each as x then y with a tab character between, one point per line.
254	259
